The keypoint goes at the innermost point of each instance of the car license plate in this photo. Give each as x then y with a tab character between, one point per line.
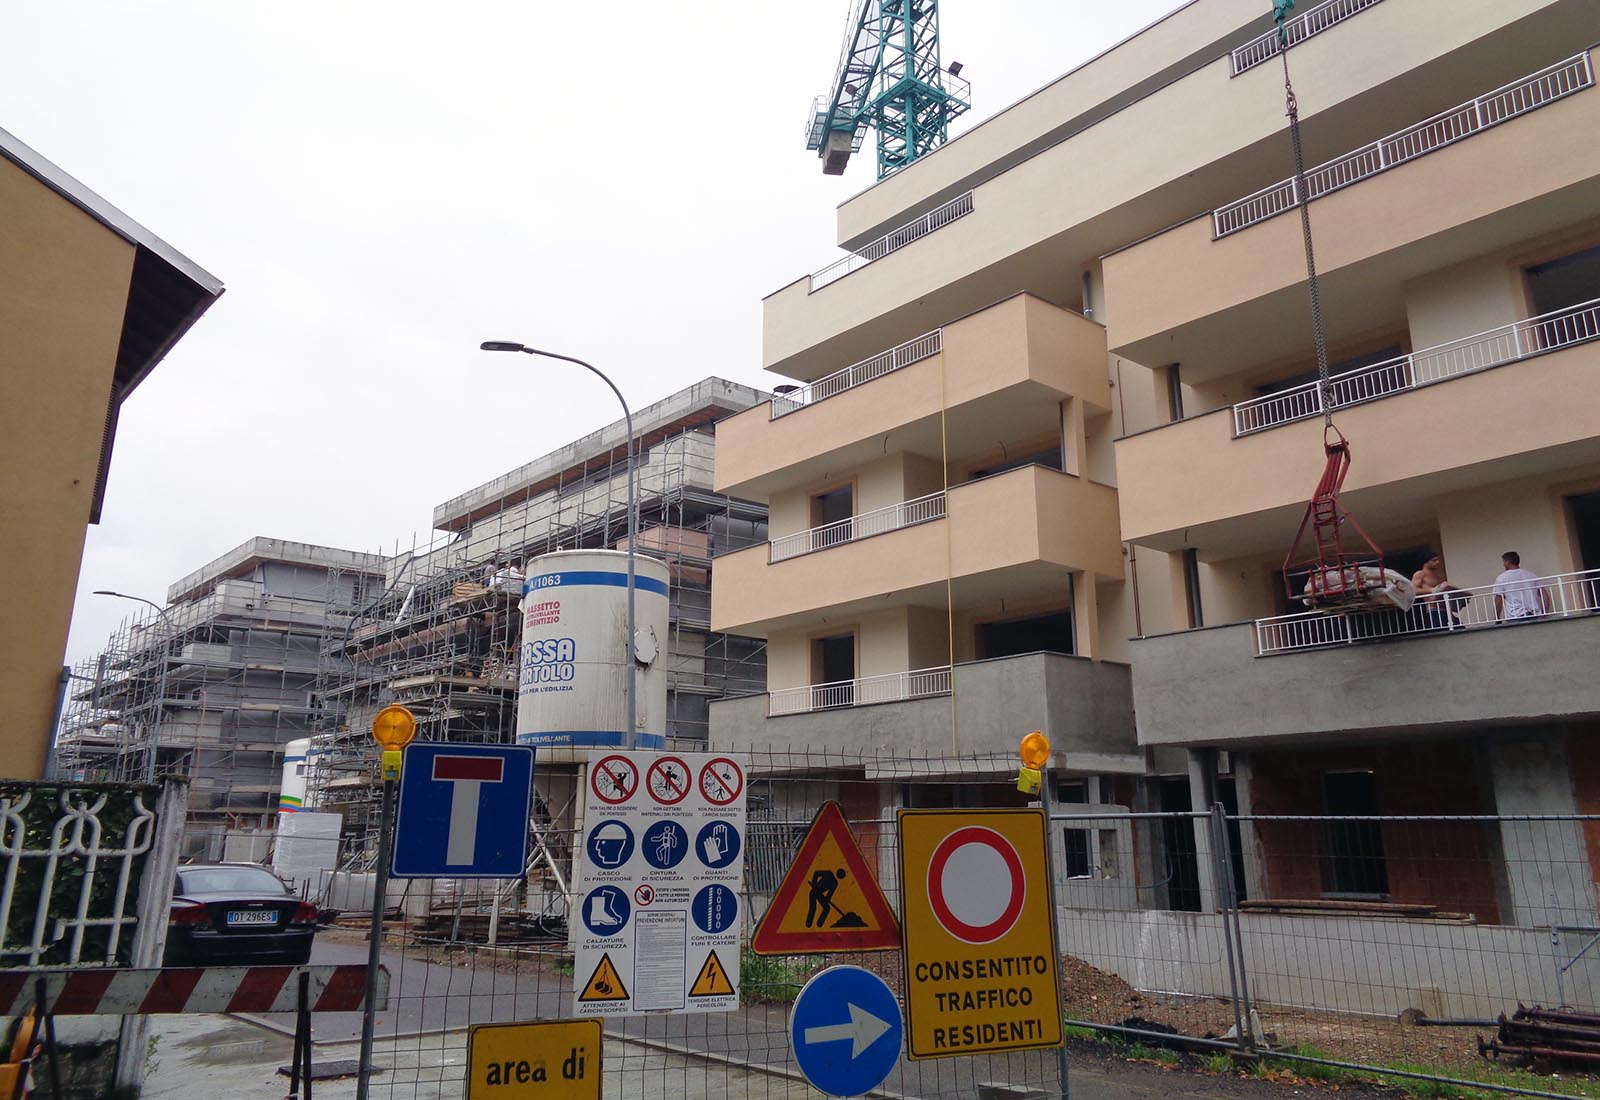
252	916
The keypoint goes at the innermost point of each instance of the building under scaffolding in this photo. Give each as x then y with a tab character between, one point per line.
215	685
442	634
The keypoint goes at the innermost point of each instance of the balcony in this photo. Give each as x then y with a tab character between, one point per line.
1215	291
894	240
1482	428
1491	109
1498	346
1433	669
1265	47
999	373
880	521
1561	596
858	374
1007	534
1083	706
896	687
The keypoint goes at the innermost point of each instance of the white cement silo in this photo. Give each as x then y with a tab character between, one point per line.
572	684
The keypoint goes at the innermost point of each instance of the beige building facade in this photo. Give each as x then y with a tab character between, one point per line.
1055	419
90	302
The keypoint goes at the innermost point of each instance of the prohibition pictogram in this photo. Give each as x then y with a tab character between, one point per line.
667	780
614	780
721	780
975	884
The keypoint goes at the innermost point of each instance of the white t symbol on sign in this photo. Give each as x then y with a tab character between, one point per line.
465	774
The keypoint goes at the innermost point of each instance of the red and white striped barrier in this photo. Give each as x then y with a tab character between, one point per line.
107	992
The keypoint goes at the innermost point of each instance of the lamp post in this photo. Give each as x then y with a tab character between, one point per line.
161	678
632	734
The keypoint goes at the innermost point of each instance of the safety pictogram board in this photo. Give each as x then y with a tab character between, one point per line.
659	904
605	984
712	981
829	899
980	958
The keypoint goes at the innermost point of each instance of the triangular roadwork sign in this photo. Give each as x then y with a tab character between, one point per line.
828	900
605	984
713	980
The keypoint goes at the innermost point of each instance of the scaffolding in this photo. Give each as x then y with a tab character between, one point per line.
214	686
442	634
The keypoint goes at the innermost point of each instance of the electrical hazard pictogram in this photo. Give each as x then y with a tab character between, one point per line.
713	980
605	984
828	900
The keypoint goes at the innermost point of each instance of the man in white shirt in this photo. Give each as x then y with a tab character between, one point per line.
1517	594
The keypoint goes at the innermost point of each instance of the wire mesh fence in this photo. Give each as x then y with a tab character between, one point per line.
1393	943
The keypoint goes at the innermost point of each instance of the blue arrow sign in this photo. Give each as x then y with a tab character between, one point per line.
463	811
846	1031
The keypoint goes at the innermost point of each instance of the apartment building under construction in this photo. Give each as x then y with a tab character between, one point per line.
1058	412
215	685
441	633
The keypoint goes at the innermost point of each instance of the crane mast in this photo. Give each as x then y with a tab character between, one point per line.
889	80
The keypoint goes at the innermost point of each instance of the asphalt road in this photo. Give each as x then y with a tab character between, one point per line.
726	1056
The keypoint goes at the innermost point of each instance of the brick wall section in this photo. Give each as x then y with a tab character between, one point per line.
1439	863
1583	758
859	800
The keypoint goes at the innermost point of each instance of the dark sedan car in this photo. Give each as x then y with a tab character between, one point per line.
237	914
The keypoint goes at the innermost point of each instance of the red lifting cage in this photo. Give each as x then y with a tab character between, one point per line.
1337	573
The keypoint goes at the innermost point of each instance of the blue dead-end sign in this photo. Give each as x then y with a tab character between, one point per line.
846	1031
463	811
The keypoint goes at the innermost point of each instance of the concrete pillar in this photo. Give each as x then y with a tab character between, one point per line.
1547	875
1085	615
1249	839
1202	793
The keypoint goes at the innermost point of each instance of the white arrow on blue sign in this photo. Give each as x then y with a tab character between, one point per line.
463	811
846	1031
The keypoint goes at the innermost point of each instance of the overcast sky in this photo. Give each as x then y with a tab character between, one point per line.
381	186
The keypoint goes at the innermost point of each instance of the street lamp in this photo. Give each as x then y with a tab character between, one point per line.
161	678
633	516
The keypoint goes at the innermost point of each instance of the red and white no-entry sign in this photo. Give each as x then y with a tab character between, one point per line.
976	887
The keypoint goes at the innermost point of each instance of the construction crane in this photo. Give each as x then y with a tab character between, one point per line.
888	79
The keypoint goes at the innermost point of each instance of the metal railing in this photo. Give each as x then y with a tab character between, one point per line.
887	362
1296	30
1496	347
877	522
1560	596
896	687
937	218
1517	98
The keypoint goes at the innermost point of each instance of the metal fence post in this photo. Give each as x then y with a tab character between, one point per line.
1231	893
1224	897
150	930
1050	861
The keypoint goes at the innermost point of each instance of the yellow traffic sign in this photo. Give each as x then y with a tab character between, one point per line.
546	1060
982	972
713	980
605	984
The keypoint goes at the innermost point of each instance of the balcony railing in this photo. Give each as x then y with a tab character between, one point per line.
1296	30
877	522
1542	599
937	218
1548	332
1517	98
893	688
857	374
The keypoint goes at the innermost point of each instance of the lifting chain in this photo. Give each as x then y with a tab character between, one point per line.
1303	200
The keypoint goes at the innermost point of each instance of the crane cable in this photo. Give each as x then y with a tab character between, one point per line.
1303	200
